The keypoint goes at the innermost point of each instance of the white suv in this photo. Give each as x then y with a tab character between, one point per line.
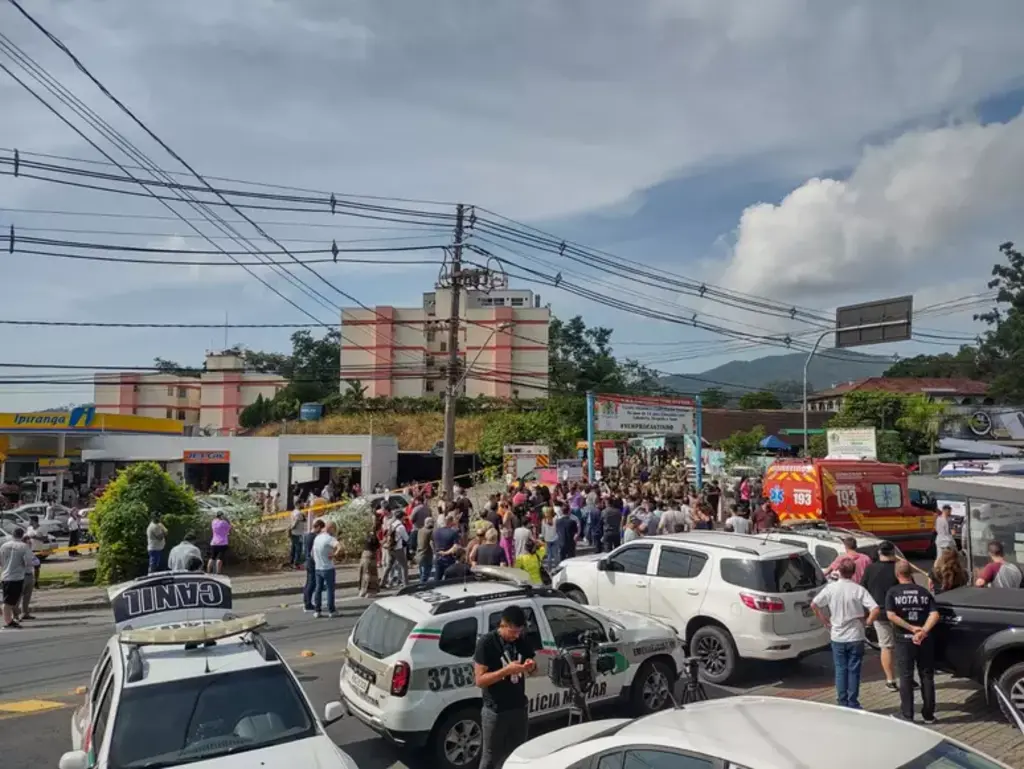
409	668
732	596
825	543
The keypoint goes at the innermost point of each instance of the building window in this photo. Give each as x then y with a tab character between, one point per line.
134	410
431	334
518	301
429	387
181	415
168	413
170	390
182	392
444	347
238	388
135	388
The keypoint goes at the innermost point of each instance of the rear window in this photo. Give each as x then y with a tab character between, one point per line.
871	551
381	633
778	575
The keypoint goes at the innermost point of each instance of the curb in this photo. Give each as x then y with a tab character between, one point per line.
103	603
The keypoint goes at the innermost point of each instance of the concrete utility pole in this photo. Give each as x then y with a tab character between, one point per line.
453	376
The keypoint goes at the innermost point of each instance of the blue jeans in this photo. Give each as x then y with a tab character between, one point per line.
426	569
155	557
553	555
847	658
324	579
441	564
310	587
295	558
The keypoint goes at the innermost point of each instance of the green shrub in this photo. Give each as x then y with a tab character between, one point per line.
354	522
121	516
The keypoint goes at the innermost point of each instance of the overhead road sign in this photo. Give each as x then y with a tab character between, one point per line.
878	322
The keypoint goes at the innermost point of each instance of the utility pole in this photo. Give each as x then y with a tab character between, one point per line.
451	394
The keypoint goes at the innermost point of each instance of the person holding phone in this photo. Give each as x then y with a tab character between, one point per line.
503	659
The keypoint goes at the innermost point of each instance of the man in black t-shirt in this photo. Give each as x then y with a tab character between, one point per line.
911	609
503	659
877	579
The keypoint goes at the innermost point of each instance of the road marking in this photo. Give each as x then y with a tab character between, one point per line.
27	707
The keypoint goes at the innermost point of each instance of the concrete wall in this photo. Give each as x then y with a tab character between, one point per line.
254	459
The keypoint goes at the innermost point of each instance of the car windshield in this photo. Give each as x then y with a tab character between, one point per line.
776	575
196	719
947	755
381	633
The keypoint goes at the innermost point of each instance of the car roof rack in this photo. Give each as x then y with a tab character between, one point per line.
488	574
710	543
469	601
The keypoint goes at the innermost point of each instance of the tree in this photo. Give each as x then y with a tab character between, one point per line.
922	421
122	514
713	398
164	366
961	365
257	413
742	444
762	399
580	360
1002	347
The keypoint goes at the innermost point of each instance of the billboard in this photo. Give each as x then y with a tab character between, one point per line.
852	443
645	414
1001	423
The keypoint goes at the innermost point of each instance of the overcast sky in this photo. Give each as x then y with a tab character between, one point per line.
811	154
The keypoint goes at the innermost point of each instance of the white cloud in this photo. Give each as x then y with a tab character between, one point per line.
928	206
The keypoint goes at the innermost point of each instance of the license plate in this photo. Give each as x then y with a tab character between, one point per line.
358	683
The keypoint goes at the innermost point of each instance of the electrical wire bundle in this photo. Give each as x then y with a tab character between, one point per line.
221	212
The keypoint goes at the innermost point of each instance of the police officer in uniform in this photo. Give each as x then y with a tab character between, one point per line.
911	609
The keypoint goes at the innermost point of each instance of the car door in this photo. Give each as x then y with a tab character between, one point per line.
567	625
543	696
624	582
678	584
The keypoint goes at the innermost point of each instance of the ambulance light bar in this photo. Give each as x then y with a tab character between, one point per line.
192	634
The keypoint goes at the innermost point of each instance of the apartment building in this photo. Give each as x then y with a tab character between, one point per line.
210	401
958	394
403	351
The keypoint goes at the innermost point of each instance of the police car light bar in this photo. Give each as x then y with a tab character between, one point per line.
500	574
192	633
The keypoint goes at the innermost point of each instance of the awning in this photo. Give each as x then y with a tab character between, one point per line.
775	443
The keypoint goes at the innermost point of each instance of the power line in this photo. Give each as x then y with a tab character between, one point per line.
236	263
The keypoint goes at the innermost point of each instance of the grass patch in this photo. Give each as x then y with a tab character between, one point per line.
415	432
57	579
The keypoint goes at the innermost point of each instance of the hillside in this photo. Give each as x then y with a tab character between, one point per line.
741	375
415	432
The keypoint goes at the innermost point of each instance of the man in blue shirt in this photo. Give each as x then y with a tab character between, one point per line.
446	542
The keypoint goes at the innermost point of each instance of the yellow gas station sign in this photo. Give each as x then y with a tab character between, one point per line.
85	419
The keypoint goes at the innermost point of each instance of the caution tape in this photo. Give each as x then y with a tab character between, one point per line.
321	508
77	548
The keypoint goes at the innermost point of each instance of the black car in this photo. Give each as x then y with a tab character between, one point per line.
981	636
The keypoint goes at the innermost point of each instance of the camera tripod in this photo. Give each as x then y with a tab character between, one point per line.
693	689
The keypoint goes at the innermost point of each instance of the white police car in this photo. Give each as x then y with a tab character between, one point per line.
183	682
409	668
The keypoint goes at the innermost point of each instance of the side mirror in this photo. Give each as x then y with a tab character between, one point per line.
74	759
333	712
613	634
602	565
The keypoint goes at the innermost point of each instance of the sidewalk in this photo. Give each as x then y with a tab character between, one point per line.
246	586
961	709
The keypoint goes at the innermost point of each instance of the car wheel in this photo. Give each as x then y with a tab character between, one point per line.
458	740
713	646
576	594
1012	682
652	687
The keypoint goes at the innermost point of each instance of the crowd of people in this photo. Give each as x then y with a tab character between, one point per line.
886	596
531	528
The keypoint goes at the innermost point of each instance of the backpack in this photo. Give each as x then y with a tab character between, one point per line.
389	538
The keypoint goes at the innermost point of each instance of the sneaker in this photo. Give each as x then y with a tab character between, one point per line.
331	615
892	686
317	615
28	616
899	717
12	625
929	720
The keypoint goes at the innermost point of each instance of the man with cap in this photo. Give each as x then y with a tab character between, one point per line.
396	543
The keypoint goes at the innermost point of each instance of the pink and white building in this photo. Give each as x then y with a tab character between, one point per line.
211	401
403	351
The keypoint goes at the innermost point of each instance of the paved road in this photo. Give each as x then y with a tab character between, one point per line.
44	662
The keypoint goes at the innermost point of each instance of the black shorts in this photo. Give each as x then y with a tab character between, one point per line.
217	552
12	592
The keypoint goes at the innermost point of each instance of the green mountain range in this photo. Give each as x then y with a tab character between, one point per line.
782	374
